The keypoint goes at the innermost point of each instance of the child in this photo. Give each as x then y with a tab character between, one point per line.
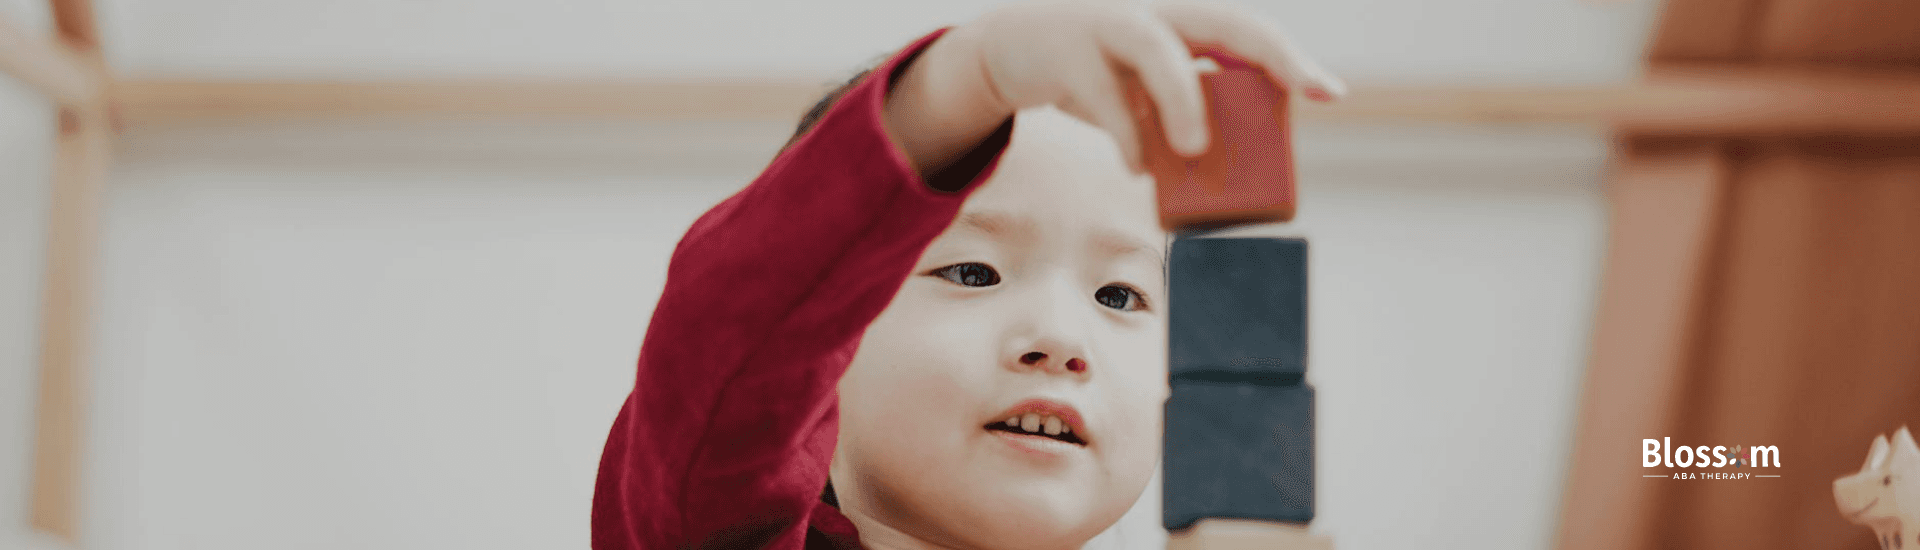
972	362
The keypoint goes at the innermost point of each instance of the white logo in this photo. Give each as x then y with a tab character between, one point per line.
1655	453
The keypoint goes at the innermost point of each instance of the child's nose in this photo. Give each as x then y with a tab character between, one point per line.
1040	359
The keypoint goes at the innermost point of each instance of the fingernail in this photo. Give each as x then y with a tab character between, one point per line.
1195	144
1317	94
1337	86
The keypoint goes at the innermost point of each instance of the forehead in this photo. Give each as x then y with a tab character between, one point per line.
1067	176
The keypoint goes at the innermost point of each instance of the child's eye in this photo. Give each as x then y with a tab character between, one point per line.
1120	297
972	274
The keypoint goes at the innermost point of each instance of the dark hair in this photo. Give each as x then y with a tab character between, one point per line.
820	107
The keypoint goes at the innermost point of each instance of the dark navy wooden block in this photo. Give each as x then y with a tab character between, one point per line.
1236	450
1238	308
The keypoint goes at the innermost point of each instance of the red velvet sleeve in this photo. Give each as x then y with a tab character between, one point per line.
726	438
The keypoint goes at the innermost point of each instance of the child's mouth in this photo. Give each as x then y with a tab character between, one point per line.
1034	424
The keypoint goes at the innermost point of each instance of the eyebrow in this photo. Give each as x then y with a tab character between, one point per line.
1116	245
997	224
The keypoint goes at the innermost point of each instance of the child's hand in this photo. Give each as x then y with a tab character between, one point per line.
1075	55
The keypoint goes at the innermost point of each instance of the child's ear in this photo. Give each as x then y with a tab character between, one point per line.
1903	445
1878	455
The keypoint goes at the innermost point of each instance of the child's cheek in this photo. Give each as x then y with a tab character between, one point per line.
927	357
1140	356
1139	391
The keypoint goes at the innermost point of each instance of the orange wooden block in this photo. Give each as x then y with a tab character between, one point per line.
1246	174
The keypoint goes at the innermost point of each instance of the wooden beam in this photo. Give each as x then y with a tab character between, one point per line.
75	21
1665	208
1766	100
47	65
147	101
80	169
1671	100
81	163
168	100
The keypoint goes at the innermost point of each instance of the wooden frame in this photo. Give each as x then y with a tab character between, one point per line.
1672	100
50	66
80	167
68	68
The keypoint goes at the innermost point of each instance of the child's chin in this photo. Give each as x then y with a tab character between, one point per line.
1034	530
1026	512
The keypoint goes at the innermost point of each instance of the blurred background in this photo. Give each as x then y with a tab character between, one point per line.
385	332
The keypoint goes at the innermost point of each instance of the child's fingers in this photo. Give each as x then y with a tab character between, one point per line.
1097	98
1160	59
1257	40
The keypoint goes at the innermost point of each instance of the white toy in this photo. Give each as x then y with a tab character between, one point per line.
1885	494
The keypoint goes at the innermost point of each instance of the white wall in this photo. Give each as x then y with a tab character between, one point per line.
1463	40
404	336
370	348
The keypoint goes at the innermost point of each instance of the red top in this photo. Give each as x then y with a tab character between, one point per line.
726	438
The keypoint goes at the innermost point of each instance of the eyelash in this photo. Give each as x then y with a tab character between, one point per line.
952	274
1136	300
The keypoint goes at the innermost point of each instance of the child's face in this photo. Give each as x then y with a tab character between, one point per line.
1045	299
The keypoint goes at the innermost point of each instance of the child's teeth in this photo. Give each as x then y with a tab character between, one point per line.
1030	422
1015	422
1053	425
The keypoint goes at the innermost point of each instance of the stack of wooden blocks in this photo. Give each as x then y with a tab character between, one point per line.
1239	431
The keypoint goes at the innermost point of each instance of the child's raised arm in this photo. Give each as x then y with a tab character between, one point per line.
727	436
